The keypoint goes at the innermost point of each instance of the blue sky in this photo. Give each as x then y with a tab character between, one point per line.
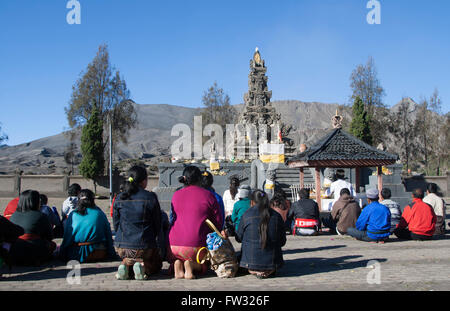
170	52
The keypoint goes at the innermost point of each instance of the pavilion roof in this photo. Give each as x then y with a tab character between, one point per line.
340	149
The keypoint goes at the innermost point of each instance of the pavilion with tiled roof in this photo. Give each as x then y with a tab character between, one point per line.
339	149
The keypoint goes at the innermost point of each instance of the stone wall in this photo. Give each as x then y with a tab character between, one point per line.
56	185
169	173
443	183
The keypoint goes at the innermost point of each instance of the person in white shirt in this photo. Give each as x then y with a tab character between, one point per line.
230	196
70	204
338	185
438	206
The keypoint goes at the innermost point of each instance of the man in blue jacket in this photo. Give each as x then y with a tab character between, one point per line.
374	223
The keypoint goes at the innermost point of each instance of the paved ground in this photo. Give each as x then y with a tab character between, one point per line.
311	263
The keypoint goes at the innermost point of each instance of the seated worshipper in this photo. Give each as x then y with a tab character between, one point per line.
337	185
304	215
241	206
229	196
207	182
344	214
87	234
261	232
374	222
137	222
35	246
282	205
438	206
53	217
393	206
70	204
192	205
11	208
9	233
418	220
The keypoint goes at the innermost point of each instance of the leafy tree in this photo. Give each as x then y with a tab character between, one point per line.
3	137
217	108
92	148
366	85
102	85
442	151
404	129
429	122
359	126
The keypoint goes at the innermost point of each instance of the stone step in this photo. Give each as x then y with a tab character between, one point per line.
292	175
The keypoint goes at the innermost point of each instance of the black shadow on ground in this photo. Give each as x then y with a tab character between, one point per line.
308	266
316	249
49	273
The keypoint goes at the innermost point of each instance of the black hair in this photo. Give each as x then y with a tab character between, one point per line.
340	174
262	202
207	180
386	193
344	191
418	193
43	199
234	186
279	191
136	175
28	201
278	201
74	190
432	188
304	193
86	199
191	176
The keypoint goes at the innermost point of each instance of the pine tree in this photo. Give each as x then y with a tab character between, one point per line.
366	85
360	125
103	85
92	148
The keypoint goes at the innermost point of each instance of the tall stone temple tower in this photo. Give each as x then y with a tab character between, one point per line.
258	109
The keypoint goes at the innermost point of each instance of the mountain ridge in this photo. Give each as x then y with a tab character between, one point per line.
151	138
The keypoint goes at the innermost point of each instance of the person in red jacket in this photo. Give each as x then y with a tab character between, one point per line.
418	220
11	208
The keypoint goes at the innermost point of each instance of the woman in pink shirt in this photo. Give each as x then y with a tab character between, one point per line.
191	206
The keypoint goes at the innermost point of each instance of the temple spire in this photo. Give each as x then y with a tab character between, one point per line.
258	108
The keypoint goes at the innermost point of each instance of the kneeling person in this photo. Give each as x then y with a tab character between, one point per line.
137	222
261	232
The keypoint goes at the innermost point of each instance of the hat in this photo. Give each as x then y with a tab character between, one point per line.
244	192
372	193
